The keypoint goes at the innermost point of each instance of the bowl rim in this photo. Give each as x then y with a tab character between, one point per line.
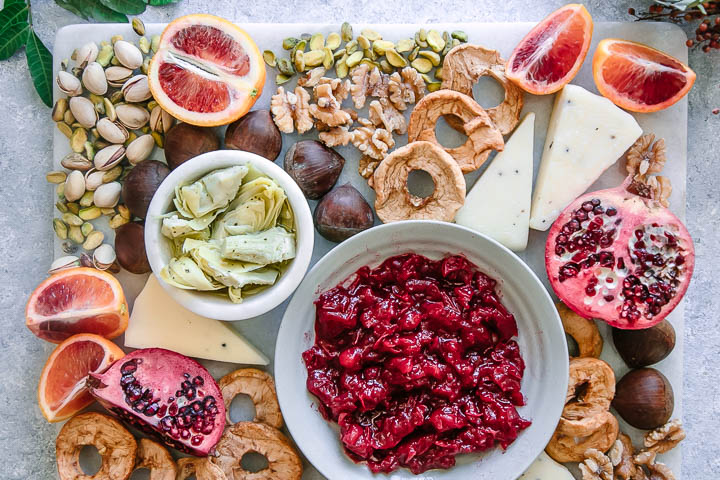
200	302
385	230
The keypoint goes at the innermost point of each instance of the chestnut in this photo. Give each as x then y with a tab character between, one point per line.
257	133
141	184
342	213
314	167
185	141
130	248
644	398
640	348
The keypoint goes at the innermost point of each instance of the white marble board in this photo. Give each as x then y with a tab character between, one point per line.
670	124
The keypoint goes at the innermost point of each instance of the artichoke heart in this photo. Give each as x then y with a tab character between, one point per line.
184	273
270	246
256	208
212	192
173	226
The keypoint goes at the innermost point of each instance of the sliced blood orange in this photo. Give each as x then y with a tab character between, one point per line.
61	390
77	300
639	78
550	56
206	71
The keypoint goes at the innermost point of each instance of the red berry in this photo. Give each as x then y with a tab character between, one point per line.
631	11
716	111
689	43
706	48
703	27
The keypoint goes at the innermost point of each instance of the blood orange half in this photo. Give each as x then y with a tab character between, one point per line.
550	56
61	390
77	300
206	71
639	78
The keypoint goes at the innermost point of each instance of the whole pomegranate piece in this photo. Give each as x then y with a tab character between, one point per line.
619	257
165	394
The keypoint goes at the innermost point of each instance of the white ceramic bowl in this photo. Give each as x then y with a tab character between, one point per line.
541	339
216	306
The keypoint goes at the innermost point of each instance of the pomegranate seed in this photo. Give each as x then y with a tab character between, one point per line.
196	440
639	234
126	380
595	202
209	400
609	298
173	409
581	215
190	393
162	411
151	410
185	434
611	212
198	381
128	367
588	206
185	385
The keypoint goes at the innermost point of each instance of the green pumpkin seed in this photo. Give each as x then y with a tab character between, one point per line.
285	67
422	65
60	228
346	32
317	42
351	47
329	59
56	177
299	61
333	41
395	59
289	43
386	67
363	42
435	40
281	78
354	59
433	86
413	55
269	58
65	129
380	46
459	35
405	45
430	55
371	34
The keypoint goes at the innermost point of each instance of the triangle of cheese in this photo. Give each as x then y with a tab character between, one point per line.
498	205
587	134
159	321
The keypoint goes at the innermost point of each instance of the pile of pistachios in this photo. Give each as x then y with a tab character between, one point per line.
424	52
112	124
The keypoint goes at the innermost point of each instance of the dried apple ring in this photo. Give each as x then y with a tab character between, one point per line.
393	201
567	448
483	135
591	388
462	68
583	426
116	446
200	468
257	385
583	330
154	457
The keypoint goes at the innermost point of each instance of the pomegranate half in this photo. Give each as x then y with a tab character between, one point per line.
619	257
165	394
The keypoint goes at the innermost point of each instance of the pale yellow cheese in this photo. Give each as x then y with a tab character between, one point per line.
159	321
545	468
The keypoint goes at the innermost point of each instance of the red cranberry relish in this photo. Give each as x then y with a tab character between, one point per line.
414	360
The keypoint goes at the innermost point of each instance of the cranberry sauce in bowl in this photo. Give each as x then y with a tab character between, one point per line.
415	361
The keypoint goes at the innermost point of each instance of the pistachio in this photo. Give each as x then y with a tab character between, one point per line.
115	38
269	58
69	84
434	86
89	213
159	139
354	59
68	117
71	219
380	46
78	139
370	63
371	35
386	67
132	117
346	32
116	76
69	248
339	53
439	73
155	43
136	89
63	263
430	55
111	131
60	228
422	65
118	221
421	38
341	68
131	138
435	40
305	36
363	42
300	46
286	67
124	211
313	58
94	240
59	109
290	42
93	78
108	211
395	59
56	177
413	55
427	78
86	200
329	59
84	111
281	78
108	157
112	174
106	55
459	35
299	61
86	54
107	195
104	256
116	97
65	129
73	207
333	41
86	228
140	149
144	45
138	26
60	191
128	54
317	42
93	179
62	208
405	45
351	47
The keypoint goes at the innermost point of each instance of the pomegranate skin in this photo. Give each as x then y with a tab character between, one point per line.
640	258
164	394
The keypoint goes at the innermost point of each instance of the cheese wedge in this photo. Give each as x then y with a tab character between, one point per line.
587	134
159	321
545	468
498	205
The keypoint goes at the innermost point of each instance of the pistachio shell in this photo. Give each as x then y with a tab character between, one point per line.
132	117
116	76
69	84
93	78
111	131
140	149
160	120
75	161
93	179
107	195
84	111
128	54
104	256
86	54
108	157
269	58
136	89
63	263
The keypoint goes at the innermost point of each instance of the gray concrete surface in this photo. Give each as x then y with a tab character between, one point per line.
27	440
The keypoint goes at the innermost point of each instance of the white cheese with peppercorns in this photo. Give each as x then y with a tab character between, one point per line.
545	468
498	205
158	321
587	134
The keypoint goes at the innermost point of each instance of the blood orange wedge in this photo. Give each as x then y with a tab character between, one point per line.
550	56
77	300
206	71
639	78
61	391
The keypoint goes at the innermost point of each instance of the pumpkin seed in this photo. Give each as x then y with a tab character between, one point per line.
269	58
317	42
285	67
290	42
346	32
395	59
430	55
329	59
435	40
56	177
363	42
405	45
380	46
281	78
371	35
422	65
413	55
459	35
60	228
299	61
354	59
433	86
333	41
65	129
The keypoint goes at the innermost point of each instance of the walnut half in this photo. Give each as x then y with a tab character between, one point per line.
665	438
596	466
291	110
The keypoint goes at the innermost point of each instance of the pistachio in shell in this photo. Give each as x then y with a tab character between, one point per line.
257	133
141	184
185	141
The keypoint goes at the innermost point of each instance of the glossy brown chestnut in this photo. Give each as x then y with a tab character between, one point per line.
314	167
141	184
342	213
640	348
130	248
644	398
257	133
185	141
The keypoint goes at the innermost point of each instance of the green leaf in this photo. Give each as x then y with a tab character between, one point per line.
80	8
128	7
13	2
104	14
13	37
157	3
39	61
12	14
90	9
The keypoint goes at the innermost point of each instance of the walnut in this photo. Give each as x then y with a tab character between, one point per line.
621	455
367	83
335	136
340	87
658	471
406	87
312	77
382	113
291	110
327	109
596	466
665	438
646	157
372	141
367	166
